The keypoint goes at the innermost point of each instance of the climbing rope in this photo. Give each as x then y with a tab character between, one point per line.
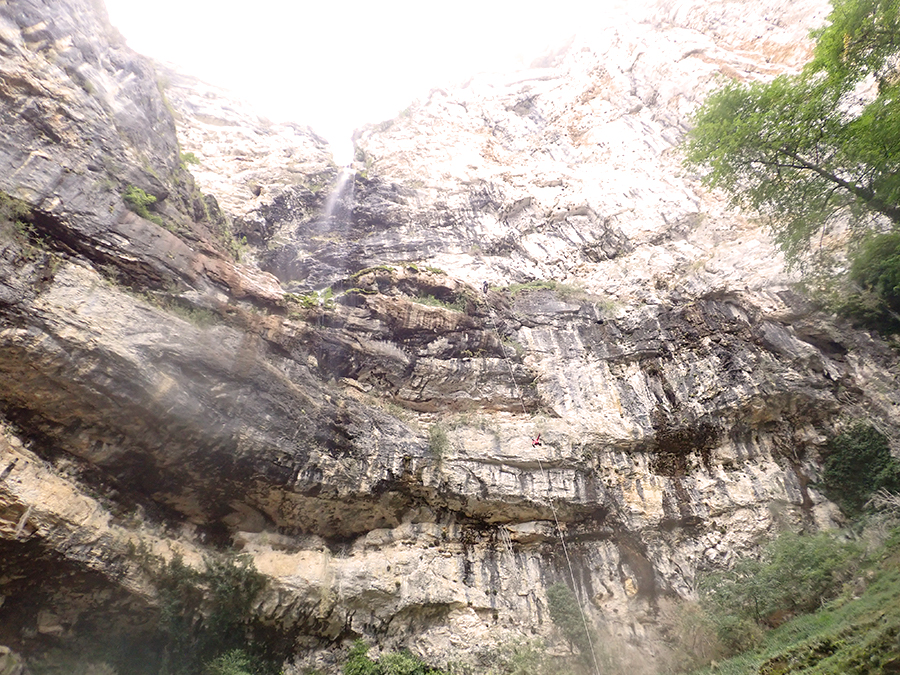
545	478
507	541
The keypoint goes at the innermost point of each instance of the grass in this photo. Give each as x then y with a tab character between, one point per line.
457	305
199	316
857	634
565	291
536	285
377	268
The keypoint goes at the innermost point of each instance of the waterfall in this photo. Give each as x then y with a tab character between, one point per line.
339	203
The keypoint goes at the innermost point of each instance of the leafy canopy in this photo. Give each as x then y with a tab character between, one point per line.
565	613
859	463
390	663
807	149
794	575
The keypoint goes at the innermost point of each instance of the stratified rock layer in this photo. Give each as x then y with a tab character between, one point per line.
521	256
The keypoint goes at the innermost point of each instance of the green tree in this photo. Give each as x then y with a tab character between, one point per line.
794	575
234	662
808	150
857	464
566	615
207	622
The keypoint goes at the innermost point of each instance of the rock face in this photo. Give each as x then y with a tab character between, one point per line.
347	403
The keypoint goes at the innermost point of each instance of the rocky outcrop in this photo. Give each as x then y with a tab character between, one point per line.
347	403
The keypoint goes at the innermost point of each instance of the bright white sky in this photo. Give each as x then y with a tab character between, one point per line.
336	65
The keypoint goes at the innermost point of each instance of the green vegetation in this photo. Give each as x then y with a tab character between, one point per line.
438	443
189	158
794	575
237	247
874	295
140	202
368	162
516	658
858	464
206	622
199	316
12	210
206	625
525	658
536	285
856	631
12	220
809	151
33	246
360	291
458	304
390	663
377	268
311	300
566	615
515	345
235	662
565	291
415	268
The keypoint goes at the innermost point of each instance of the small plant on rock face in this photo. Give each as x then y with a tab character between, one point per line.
537	285
189	158
458	304
438	442
13	223
140	202
12	209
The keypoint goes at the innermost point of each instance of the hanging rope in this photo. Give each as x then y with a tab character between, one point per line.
504	535
545	478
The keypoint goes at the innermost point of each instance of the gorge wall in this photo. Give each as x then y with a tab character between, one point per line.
299	362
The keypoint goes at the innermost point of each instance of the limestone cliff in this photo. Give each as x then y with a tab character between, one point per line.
301	363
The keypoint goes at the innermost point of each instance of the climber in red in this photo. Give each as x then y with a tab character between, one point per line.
536	441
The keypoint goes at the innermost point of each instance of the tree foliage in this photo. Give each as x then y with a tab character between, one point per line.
820	147
565	613
207	622
390	663
858	464
795	574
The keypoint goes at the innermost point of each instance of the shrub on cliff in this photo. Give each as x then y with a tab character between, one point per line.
234	662
206	622
390	663
855	632
140	202
875	276
438	442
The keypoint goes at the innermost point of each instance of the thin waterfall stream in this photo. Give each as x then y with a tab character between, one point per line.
339	204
